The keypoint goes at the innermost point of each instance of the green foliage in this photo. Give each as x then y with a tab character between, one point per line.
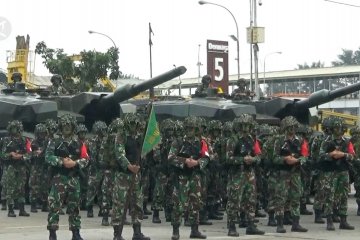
317	64
92	66
348	57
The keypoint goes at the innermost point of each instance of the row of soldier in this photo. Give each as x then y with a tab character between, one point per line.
200	167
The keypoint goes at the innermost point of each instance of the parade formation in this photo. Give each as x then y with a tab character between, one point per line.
201	170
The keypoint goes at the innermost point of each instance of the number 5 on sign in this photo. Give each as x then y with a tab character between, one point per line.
219	68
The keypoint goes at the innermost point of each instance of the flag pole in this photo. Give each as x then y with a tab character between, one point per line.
151	90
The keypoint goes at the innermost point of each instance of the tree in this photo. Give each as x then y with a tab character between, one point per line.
317	64
348	57
92	65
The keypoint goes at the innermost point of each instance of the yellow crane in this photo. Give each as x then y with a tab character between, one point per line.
19	60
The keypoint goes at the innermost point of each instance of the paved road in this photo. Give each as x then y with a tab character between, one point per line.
34	228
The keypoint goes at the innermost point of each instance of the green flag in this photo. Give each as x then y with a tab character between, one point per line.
152	135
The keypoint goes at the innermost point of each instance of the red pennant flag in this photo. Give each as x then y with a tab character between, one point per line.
304	151
257	148
83	151
204	152
28	145
350	148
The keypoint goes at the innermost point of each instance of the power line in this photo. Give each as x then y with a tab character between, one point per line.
342	3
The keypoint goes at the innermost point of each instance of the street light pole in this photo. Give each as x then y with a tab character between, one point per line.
91	32
237	33
279	52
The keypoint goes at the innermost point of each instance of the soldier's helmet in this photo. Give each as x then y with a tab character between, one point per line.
192	121
206	79
167	125
214	125
81	128
264	130
117	125
99	127
16	77
336	122
243	119
355	131
325	124
40	129
67	119
51	125
179	127
241	82
288	122
56	78
228	126
131	119
15	125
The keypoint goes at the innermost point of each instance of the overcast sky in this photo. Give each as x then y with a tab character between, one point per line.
303	30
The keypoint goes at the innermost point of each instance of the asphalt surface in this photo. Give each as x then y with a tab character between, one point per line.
34	228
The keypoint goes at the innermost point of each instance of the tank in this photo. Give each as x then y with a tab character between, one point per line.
32	107
264	111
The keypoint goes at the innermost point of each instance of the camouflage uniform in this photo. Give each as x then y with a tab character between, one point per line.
335	154
288	158
189	157
38	173
63	155
161	169
241	188
95	172
124	154
355	139
16	159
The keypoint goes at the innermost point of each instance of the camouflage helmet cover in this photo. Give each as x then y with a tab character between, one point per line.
40	128
99	127
228	126
168	124
242	120
81	128
56	77
192	121
15	124
287	122
67	119
131	119
214	125
116	125
16	76
51	125
336	122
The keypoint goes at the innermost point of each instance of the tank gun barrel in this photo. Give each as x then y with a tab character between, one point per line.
128	91
324	96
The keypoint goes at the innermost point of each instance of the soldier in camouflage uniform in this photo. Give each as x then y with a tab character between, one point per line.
336	153
189	157
319	177
241	188
355	139
63	155
38	172
124	154
83	143
305	133
95	172
161	168
16	157
2	182
288	157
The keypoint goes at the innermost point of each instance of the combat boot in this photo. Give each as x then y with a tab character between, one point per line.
280	224
52	235
318	216
335	216
195	233
105	218
253	230
287	218
22	211
243	222
304	211
271	221
357	213
296	227
203	218
3	205
45	207
176	233
11	212
330	224
76	235
156	218
344	224
90	212
118	232
232	230
259	214
33	207
100	213
137	233
145	210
